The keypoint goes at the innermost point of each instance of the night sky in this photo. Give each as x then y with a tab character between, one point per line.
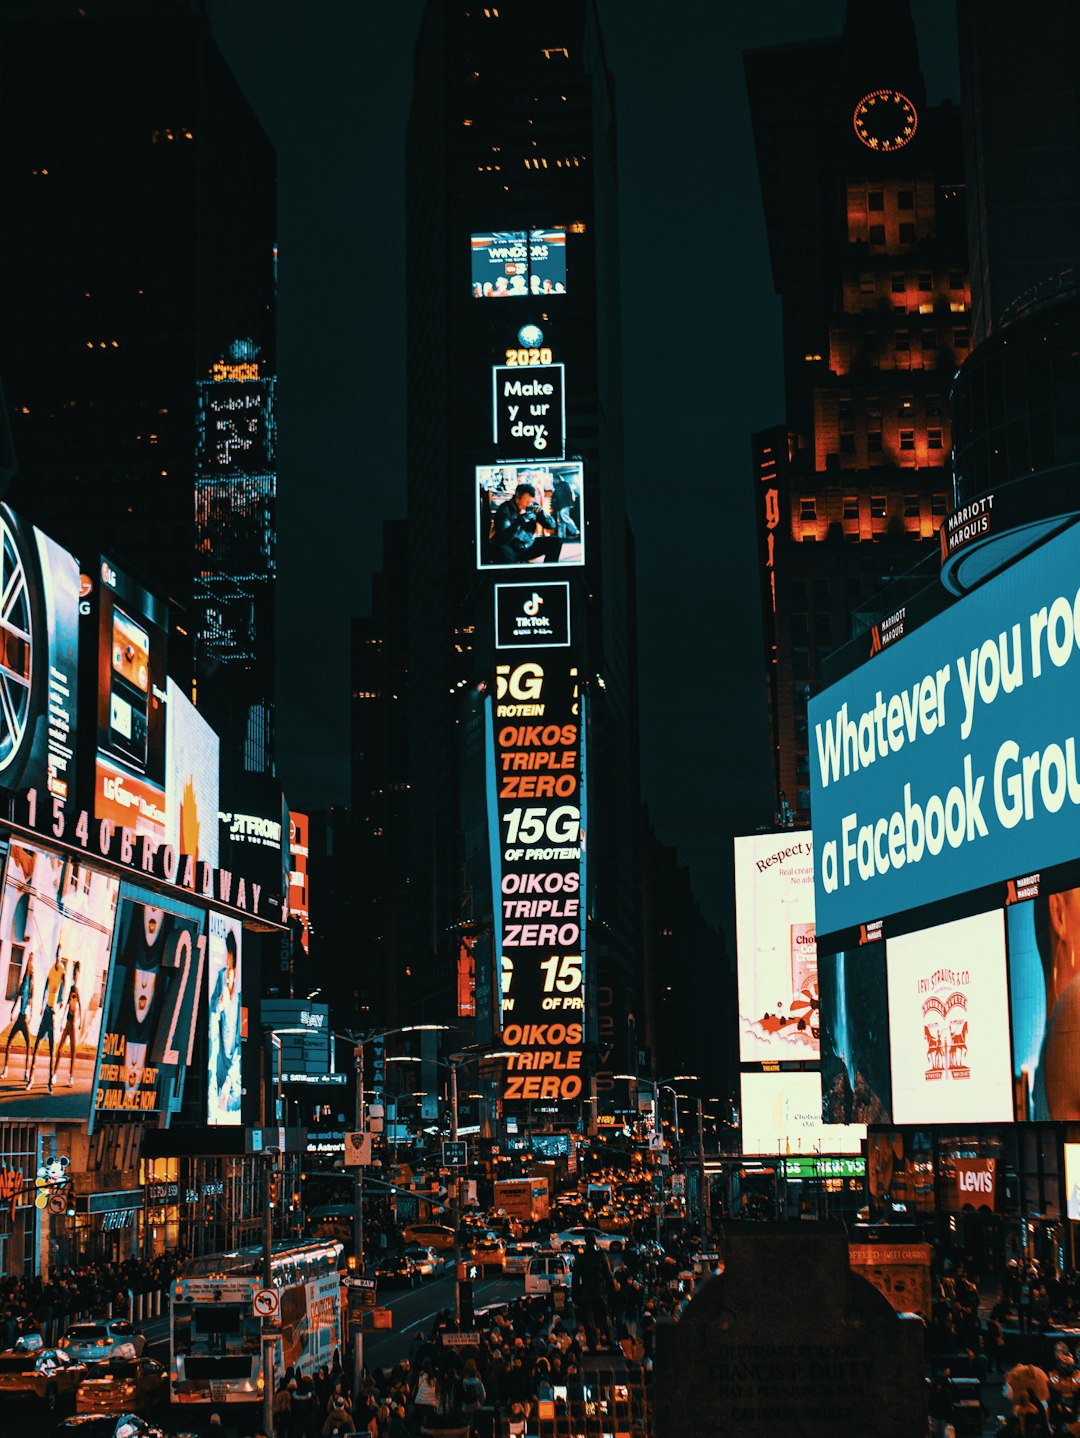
331	82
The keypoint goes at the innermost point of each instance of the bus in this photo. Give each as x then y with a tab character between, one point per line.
215	1336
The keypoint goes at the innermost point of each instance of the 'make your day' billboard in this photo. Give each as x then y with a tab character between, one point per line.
949	761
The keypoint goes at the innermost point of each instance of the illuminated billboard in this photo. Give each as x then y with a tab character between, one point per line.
303	1029
299	901
1072	1180
1044	1001
39	628
254	831
224	954
776	945
949	1023
56	928
154	988
528	410
781	1114
948	762
532	616
536	802
192	777
856	1079
530	513
509	264
129	781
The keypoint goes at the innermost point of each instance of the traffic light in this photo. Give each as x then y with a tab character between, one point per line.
465	1301
273	1190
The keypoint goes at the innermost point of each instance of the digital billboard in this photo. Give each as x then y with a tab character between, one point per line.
532	616
528	410
1044	1001
39	628
299	900
530	513
536	803
129	781
948	762
856	1080
191	779
508	264
224	955
949	1023
254	830
781	1114
1072	1180
56	928
303	1029
154	987
776	945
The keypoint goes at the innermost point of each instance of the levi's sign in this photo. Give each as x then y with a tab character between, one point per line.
950	762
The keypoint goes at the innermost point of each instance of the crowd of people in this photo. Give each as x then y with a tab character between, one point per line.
30	1304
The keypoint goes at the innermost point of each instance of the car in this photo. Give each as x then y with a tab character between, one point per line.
102	1338
517	1256
426	1262
46	1374
545	1271
107	1425
428	1235
489	1252
575	1238
395	1268
123	1385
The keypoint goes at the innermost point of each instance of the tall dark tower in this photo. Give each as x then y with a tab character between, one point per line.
522	678
144	245
863	191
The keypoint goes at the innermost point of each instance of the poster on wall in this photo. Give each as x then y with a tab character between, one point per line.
1044	1001
776	945
781	1114
38	677
949	1023
56	927
223	1085
530	513
154	988
856	1082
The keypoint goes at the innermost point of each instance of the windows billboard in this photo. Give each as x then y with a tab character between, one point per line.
530	514
512	264
776	945
949	761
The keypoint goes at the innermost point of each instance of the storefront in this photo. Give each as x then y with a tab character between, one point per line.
107	1226
20	1230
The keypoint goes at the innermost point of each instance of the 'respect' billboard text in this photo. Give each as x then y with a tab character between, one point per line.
536	800
949	761
777	948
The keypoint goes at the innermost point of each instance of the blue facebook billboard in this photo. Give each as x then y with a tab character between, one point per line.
948	762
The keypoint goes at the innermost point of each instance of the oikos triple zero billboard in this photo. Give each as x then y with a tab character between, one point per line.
536	808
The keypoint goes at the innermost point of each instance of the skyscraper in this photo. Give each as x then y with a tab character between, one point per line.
862	184
144	246
514	395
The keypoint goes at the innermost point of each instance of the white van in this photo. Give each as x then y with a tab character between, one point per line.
545	1271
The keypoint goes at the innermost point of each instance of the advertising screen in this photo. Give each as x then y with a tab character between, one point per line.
154	988
856	1082
1044	1002
56	928
781	1114
299	900
949	1023
304	1032
191	784
1072	1180
530	514
223	985
254	830
39	627
528	410
777	951
508	264
948	762
536	800
129	783
531	616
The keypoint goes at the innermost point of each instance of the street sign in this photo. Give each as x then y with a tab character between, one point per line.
460	1340
455	1153
266	1303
